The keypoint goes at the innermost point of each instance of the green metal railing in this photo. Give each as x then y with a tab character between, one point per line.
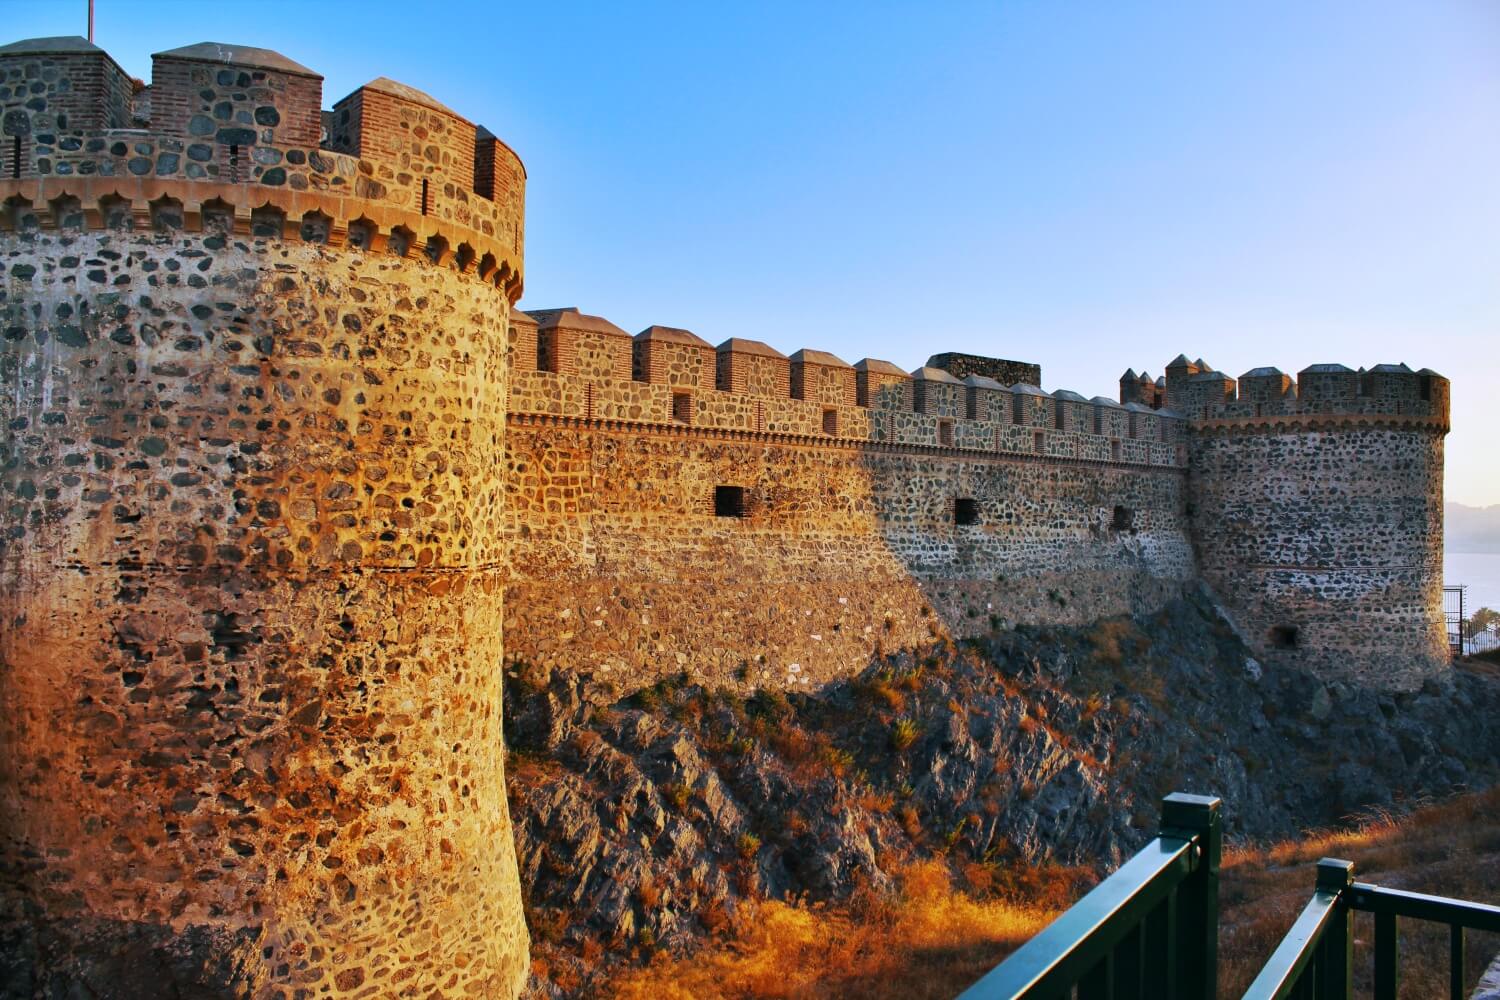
1315	961
1148	932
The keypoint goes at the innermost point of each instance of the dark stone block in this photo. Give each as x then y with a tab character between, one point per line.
267	115
274	177
201	152
236	136
167	164
201	125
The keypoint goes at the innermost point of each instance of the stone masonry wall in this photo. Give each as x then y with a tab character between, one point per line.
1324	538
252	601
620	566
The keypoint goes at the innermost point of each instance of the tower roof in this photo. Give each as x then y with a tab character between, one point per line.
982	382
237	55
55	44
385	85
672	335
1327	370
1181	361
739	345
1266	372
808	356
879	367
1129	376
570	318
929	374
1027	389
1069	395
1388	369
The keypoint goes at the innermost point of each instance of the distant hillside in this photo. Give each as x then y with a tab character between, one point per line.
1471	529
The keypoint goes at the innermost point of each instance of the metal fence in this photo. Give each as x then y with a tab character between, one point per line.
1456	616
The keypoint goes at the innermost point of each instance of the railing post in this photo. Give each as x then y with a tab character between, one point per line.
1187	817
1336	951
1387	955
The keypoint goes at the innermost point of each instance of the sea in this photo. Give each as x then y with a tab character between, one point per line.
1480	572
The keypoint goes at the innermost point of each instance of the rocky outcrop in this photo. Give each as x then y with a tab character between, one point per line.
643	821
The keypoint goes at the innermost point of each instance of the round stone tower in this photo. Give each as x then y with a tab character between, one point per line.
1317	514
254	367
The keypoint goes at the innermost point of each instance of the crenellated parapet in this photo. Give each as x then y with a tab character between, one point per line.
235	136
573	365
1320	394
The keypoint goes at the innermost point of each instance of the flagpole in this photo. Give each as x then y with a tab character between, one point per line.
91	22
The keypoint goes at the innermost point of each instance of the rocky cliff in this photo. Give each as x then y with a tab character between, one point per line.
641	822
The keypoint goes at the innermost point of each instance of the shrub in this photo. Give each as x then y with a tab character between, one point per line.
904	733
748	845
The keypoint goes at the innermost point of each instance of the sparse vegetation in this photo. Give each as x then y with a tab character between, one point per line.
941	930
930	939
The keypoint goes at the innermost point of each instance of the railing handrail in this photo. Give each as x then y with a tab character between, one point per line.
1150	929
1369	898
1320	944
1322	926
1074	942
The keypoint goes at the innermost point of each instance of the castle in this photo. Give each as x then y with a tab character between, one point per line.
283	464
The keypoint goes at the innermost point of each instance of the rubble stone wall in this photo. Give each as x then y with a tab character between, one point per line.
252	602
621	567
1324	537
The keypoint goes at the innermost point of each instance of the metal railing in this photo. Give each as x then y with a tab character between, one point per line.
1315	961
1149	931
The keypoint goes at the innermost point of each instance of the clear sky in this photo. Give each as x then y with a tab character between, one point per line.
1087	185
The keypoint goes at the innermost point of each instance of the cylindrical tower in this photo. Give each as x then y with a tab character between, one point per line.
250	555
1317	514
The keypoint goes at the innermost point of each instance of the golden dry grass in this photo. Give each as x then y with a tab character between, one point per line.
937	934
1448	849
931	940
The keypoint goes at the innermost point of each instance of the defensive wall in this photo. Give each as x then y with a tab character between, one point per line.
251	551
757	519
283	464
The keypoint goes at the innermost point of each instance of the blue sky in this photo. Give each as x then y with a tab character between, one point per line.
1087	185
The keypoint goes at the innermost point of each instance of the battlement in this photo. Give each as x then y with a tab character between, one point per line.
244	127
568	364
1212	399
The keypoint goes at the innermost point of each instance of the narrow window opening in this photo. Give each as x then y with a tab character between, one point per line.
729	501
945	433
1426	387
830	422
234	163
1114	450
965	511
1038	442
424	196
682	407
1059	417
15	157
1284	636
1124	519
971	406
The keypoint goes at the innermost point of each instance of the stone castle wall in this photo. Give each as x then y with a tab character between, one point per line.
620	565
282	464
251	564
1318	516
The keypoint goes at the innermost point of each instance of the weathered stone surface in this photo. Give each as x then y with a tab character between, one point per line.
253	615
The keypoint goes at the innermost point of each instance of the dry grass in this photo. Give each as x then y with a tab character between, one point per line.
1449	849
938	934
929	940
